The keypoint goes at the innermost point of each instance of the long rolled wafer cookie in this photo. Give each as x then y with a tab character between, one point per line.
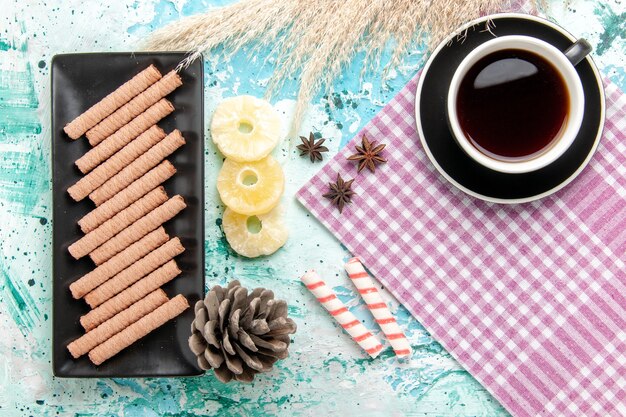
116	163
122	95
138	167
118	263
117	223
170	82
122	137
135	272
139	329
344	317
127	196
137	291
139	229
375	303
117	323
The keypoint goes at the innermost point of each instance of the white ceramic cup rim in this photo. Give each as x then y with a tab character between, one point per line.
573	85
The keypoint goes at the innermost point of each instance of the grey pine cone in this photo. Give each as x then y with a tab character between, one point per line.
238	334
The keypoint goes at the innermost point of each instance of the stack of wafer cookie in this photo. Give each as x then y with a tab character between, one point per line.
124	235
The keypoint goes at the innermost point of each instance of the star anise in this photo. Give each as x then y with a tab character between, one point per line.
340	192
368	155
312	148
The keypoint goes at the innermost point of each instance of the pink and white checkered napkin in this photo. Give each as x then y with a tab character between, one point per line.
529	298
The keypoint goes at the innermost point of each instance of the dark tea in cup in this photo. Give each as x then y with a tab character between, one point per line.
512	104
516	103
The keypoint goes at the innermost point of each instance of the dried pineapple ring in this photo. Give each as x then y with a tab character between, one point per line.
246	128
251	188
253	236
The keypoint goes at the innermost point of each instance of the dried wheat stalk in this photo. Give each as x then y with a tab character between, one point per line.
316	39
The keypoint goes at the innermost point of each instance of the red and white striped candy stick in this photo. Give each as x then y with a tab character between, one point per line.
344	317
367	288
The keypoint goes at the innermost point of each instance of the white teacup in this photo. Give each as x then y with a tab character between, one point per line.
563	62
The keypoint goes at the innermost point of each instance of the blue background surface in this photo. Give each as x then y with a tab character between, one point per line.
325	372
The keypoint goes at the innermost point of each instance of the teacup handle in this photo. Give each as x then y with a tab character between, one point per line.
578	51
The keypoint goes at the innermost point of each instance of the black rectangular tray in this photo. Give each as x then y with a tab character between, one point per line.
79	81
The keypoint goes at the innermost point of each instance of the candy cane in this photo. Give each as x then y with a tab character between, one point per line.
344	317
365	284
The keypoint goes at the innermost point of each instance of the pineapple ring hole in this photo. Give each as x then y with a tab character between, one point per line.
248	178
254	225
245	127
